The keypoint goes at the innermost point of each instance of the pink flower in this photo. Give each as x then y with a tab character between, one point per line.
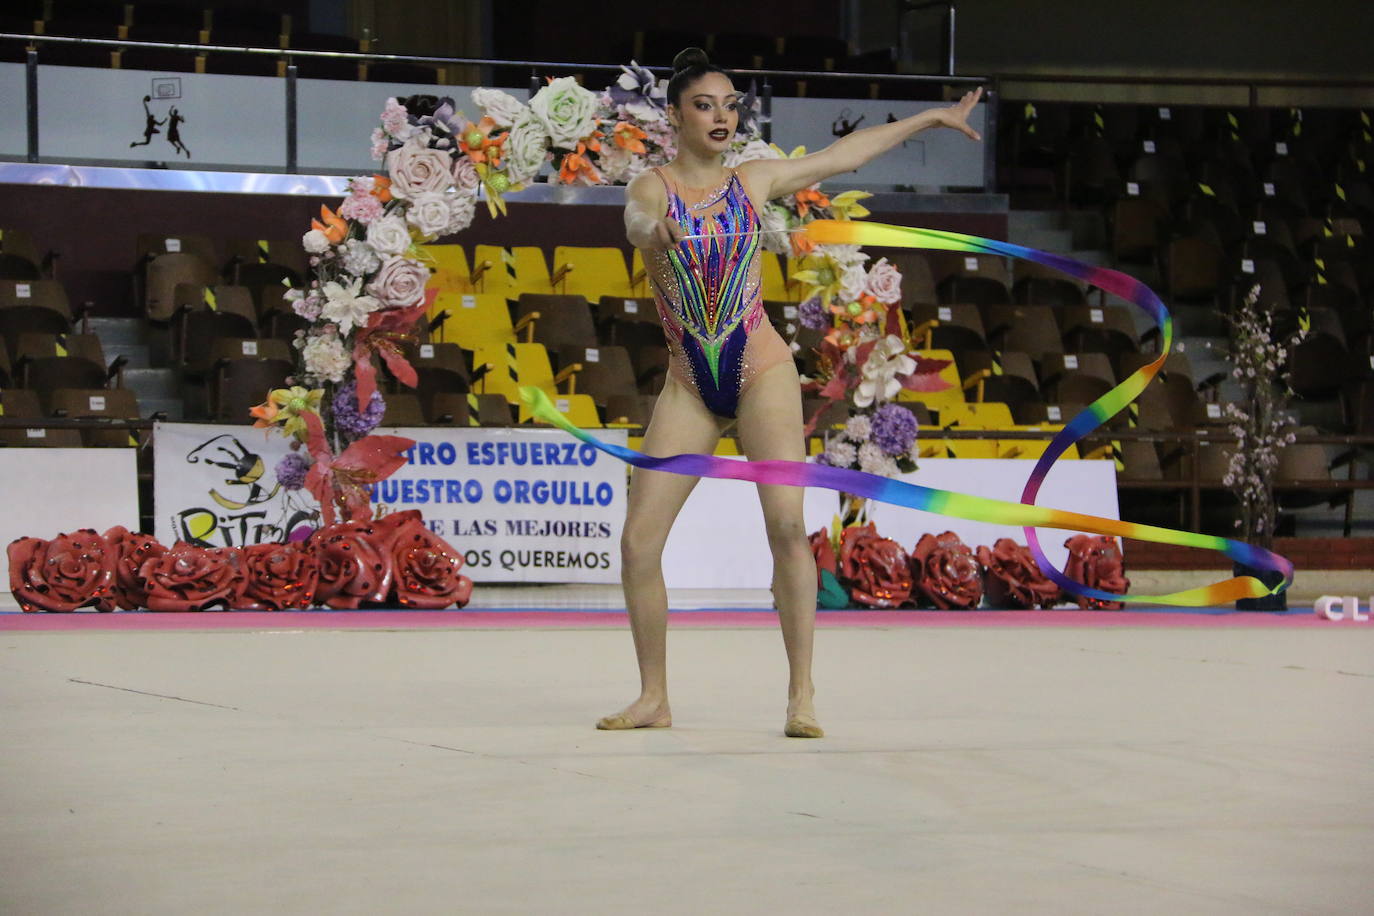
379	144
885	282
395	118
465	175
361	207
400	283
415	169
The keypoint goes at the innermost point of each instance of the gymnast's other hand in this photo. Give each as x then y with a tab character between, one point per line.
956	116
666	234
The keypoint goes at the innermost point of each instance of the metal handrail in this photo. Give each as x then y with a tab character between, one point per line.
365	56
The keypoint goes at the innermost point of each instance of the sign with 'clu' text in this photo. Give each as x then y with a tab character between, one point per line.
521	505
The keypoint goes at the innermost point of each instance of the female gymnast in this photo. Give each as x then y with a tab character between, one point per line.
728	365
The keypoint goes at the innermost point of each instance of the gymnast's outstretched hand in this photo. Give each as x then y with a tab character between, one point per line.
956	115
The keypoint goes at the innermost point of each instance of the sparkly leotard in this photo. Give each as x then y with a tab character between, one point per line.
708	296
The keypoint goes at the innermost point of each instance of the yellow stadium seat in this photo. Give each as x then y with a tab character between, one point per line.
532	367
639	279
502	378
729	446
771	278
958	448
450	266
984	415
952	396
510	271
1032	448
475	320
591	272
580	410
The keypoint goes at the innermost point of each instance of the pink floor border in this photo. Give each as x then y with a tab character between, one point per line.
579	619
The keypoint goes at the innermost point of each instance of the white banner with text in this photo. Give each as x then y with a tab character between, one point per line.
521	505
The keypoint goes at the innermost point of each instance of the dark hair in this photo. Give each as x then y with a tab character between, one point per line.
690	65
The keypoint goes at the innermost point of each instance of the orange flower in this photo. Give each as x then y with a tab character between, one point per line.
577	167
266	414
381	188
480	143
860	312
629	137
333	227
809	197
801	245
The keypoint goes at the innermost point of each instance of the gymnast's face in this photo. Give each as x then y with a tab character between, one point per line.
707	114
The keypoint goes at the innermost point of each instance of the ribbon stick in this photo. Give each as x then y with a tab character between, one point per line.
976	508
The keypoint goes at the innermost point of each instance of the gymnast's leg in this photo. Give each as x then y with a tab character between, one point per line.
681	424
770	427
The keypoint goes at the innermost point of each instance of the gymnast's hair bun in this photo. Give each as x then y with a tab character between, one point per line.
690	57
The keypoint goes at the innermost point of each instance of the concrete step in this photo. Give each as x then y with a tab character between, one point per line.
172	407
152	383
1027	220
1056	240
118	331
135	353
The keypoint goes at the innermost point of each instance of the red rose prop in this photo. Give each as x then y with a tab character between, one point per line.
947	572
425	566
278	577
1096	561
130	591
354	562
1014	578
875	569
189	578
824	552
70	571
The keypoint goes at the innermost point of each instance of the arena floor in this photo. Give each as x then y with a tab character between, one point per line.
1089	763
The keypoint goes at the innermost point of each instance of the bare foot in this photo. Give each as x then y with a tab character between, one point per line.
645	712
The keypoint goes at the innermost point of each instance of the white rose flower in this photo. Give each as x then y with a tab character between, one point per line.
526	148
360	258
754	149
501	107
415	169
885	282
315	242
567	111
389	235
429	213
462	208
325	358
853	283
773	222
400	283
619	165
345	307
845	255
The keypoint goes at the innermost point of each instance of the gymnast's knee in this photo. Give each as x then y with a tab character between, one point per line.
640	550
787	536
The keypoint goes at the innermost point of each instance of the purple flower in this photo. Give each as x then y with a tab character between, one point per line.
352	422
812	314
291	471
894	429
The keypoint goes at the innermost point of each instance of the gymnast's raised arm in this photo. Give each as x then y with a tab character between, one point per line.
779	177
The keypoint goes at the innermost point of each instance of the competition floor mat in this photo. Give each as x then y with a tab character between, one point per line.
724	618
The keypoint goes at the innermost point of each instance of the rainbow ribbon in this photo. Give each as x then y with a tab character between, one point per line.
962	505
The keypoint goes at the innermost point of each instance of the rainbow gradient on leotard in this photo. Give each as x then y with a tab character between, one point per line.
962	505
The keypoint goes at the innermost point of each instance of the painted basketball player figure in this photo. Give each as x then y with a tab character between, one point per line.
728	365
